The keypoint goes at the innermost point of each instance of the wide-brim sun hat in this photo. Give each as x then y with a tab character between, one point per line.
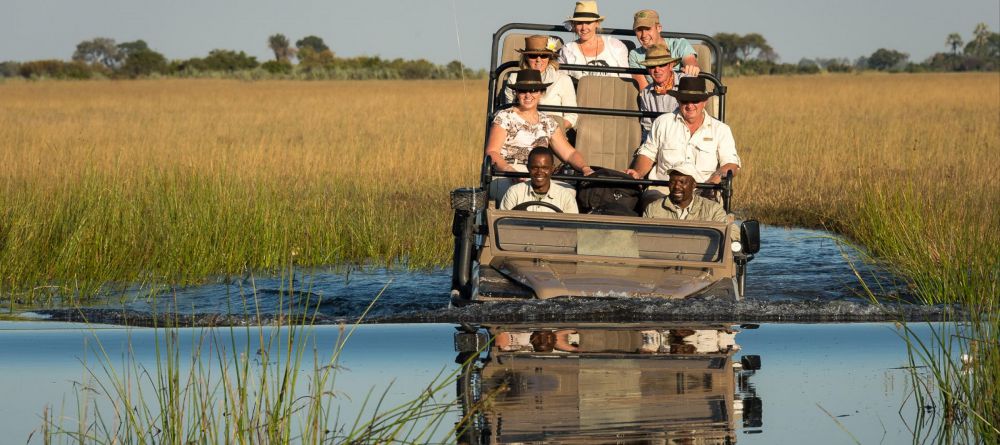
691	89
538	44
529	80
585	11
658	55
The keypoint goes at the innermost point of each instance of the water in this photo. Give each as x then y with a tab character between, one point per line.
800	274
816	383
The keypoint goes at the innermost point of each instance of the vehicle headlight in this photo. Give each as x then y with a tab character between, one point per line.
736	246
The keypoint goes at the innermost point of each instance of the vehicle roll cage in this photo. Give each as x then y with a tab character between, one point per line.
497	69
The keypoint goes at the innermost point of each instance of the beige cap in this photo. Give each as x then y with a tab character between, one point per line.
647	17
686	169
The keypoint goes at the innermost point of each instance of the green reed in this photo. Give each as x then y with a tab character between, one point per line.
226	392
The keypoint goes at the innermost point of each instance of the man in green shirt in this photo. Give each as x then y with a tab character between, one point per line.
682	202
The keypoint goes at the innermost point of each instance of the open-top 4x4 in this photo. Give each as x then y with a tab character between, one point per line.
520	254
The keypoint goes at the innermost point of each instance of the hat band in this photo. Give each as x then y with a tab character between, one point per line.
692	92
586	15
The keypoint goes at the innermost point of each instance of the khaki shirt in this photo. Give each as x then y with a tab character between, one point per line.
670	144
700	209
559	195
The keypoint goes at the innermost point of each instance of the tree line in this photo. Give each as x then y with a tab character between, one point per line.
750	54
309	58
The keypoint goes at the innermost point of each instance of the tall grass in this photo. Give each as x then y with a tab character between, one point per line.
249	385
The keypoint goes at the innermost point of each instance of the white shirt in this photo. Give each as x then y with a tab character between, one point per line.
560	93
615	53
670	143
560	196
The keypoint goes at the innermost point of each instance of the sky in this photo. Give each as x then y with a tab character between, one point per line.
445	30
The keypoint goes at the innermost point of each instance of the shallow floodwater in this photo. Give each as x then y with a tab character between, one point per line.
794	265
819	384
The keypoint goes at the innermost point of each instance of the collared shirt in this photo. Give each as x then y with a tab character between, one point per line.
560	93
560	196
700	209
670	143
649	100
678	48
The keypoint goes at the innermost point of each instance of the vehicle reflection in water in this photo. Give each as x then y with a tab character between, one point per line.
592	383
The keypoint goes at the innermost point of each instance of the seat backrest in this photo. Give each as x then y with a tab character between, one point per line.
705	62
607	141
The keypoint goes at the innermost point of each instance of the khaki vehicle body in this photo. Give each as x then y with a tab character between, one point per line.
534	255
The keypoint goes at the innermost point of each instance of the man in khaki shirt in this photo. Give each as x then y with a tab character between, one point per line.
682	202
541	165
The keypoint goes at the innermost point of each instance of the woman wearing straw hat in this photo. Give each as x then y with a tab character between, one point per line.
518	129
539	54
591	48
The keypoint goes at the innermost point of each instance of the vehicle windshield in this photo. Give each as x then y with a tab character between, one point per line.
644	241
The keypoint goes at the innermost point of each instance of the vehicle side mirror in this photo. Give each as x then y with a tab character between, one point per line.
750	236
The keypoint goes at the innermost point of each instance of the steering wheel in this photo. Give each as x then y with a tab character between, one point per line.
525	205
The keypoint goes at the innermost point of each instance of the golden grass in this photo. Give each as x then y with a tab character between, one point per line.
175	180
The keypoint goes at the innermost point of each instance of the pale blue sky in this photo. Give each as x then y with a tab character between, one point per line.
37	29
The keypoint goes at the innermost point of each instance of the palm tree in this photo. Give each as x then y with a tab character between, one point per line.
954	41
281	46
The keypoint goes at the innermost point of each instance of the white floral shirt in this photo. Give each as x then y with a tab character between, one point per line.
523	136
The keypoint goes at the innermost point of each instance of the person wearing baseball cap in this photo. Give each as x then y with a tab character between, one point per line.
681	202
647	27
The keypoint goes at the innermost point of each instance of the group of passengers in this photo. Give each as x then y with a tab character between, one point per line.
684	145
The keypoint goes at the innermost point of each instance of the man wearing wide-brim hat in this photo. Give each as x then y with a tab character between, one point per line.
688	135
660	66
681	202
647	27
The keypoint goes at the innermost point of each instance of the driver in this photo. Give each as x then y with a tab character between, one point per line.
541	164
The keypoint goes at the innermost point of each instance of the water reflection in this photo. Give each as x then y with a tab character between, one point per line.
595	383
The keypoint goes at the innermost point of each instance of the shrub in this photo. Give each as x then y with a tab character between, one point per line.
275	67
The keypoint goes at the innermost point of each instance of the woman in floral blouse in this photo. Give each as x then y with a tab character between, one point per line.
518	129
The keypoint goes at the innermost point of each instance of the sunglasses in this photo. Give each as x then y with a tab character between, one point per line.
539	56
529	91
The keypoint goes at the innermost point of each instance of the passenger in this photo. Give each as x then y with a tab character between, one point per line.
654	97
682	202
541	164
687	136
591	48
646	24
518	129
539	54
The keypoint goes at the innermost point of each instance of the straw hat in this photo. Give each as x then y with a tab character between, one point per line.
528	80
658	55
586	11
691	89
538	45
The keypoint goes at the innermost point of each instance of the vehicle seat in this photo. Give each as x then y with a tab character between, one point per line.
607	141
705	62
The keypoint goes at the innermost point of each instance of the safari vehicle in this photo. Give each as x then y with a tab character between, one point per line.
502	255
641	383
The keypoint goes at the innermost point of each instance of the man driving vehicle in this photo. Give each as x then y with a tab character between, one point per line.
541	164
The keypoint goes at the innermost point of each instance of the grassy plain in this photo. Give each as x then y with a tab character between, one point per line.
175	180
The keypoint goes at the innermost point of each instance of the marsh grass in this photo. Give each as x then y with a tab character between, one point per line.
242	385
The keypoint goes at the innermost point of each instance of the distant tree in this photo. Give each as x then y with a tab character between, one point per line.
954	40
312	42
729	43
312	60
282	48
97	50
755	46
127	48
276	67
9	68
228	60
884	59
984	43
143	62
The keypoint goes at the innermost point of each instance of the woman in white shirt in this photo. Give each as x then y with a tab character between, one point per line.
590	47
539	54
